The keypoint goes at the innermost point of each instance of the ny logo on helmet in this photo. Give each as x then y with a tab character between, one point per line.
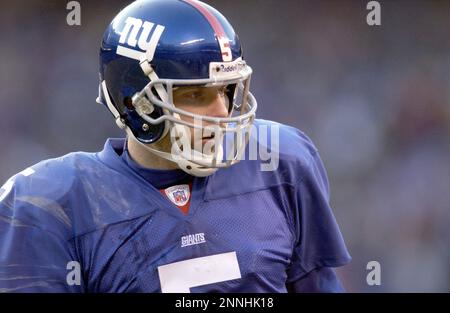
146	43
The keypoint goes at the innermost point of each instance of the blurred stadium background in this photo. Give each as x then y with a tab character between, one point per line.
375	100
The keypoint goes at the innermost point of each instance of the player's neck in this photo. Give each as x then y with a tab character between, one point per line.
146	158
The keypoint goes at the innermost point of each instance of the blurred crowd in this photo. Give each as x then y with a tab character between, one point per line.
374	99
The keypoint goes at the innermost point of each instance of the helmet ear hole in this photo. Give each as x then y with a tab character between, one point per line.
128	103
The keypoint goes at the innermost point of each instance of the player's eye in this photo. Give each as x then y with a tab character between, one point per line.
192	95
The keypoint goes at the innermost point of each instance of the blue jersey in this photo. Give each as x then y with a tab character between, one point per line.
90	222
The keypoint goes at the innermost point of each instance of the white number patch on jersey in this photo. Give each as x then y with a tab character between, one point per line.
179	277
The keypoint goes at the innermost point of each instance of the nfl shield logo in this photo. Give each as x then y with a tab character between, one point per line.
178	194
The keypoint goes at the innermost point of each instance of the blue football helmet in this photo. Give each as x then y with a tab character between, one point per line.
153	47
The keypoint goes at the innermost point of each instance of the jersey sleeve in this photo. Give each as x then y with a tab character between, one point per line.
35	253
319	242
323	279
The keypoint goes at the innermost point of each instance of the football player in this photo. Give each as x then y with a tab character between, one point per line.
178	205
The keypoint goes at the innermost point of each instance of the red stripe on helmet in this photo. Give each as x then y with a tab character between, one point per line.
213	21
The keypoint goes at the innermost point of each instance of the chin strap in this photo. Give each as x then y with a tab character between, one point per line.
184	164
119	120
146	67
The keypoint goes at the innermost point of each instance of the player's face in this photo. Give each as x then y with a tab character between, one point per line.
207	101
